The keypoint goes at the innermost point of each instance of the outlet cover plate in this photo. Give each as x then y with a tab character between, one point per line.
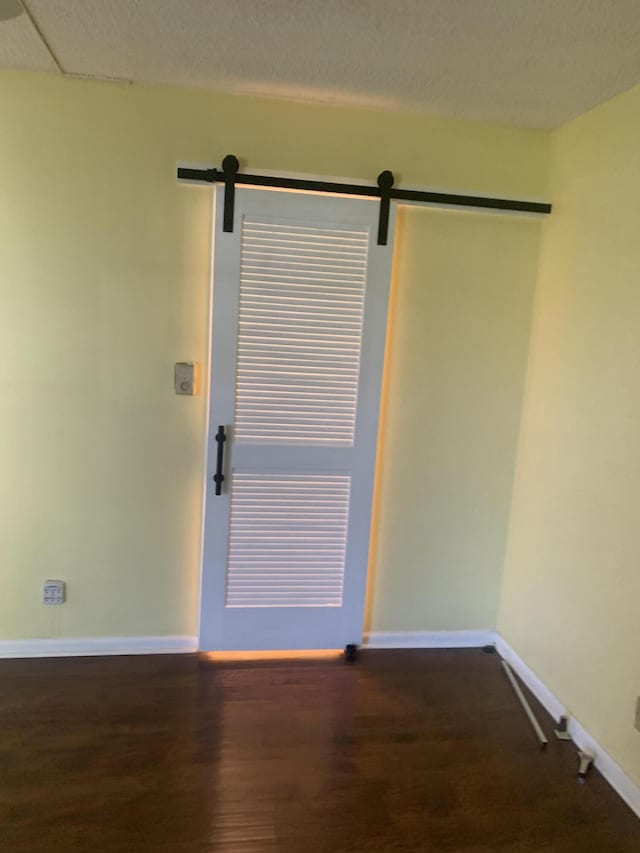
53	592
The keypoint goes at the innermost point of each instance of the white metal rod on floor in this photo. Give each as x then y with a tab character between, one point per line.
523	701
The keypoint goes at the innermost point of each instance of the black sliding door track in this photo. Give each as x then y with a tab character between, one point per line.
385	191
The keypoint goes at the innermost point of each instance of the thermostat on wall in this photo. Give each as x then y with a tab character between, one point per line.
186	378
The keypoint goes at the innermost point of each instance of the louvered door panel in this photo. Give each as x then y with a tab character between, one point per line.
299	308
302	290
287	541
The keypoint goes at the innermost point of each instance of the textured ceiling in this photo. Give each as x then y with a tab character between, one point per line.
531	63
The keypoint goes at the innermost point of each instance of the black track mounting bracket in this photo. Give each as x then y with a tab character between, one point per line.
385	182
230	166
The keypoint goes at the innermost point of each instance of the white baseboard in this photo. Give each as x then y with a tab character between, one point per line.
85	646
428	639
612	772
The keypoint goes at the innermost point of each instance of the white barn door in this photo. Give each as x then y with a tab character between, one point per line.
299	319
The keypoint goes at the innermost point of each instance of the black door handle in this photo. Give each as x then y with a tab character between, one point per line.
218	477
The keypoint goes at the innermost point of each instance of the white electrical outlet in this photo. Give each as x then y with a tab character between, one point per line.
54	592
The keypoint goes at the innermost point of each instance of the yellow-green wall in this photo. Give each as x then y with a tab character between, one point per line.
571	597
459	327
104	284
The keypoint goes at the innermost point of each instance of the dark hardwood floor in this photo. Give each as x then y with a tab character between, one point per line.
403	751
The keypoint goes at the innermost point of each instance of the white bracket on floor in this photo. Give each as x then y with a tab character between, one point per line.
561	731
586	760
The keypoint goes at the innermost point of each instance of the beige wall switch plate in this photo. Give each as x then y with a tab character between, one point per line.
186	378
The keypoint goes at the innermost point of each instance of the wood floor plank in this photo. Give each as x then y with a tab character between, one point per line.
403	751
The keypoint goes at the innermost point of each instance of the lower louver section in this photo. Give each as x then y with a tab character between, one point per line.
287	541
